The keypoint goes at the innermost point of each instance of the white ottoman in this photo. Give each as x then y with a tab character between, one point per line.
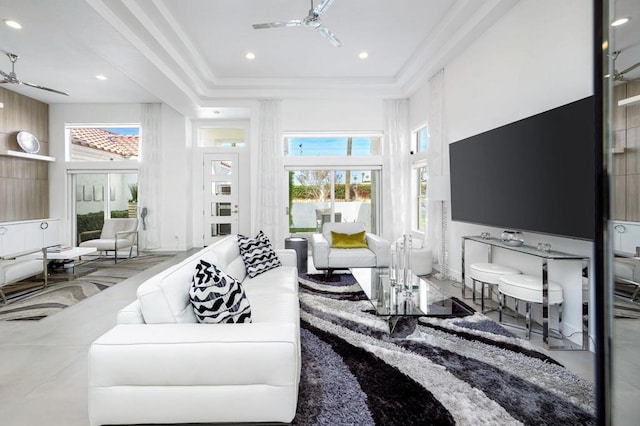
421	260
529	289
489	274
421	257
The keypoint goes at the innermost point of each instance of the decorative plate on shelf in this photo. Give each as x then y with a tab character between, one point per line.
28	142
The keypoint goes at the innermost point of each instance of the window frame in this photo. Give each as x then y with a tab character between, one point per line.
416	139
418	162
336	162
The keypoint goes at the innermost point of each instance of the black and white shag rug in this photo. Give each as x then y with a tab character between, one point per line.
464	371
60	293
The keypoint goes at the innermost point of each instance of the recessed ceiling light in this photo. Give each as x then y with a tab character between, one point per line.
101	77
363	55
620	21
250	55
11	23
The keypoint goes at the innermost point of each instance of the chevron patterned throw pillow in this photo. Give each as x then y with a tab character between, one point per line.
217	297
258	254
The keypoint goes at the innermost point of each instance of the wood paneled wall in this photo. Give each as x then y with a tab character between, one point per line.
626	165
24	183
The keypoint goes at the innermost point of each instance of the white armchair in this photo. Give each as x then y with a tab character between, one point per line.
325	257
117	234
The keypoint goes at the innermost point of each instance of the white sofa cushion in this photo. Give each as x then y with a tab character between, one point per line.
282	279
164	298
204	348
352	258
217	297
19	269
131	314
277	308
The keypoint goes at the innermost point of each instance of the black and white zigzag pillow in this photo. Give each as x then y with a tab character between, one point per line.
258	254
217	297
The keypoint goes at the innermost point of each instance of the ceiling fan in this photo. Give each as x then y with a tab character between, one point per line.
312	20
13	79
619	75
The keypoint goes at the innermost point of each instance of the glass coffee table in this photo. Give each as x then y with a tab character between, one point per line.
424	299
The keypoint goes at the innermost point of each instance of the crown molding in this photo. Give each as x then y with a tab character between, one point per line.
180	76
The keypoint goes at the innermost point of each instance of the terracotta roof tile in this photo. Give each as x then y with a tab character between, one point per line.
104	140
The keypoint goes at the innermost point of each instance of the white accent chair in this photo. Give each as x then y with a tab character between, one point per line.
325	257
117	234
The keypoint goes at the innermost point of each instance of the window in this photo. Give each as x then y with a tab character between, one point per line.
305	146
103	143
422	182
422	139
333	177
221	137
317	196
100	195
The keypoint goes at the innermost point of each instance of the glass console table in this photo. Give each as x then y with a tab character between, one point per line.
545	257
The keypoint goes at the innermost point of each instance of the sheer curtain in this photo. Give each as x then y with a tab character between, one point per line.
269	214
150	175
437	163
395	181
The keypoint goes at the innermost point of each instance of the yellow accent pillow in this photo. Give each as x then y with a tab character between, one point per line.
348	241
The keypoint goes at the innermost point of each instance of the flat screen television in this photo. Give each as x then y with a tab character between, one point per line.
536	174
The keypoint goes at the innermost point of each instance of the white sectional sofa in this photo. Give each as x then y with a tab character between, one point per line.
159	365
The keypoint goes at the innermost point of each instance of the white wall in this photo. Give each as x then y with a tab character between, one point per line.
182	199
61	115
177	186
419	107
345	115
537	57
176	181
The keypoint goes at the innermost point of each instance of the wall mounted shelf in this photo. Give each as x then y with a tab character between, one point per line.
11	153
629	101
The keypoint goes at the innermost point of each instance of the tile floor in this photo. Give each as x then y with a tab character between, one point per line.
43	364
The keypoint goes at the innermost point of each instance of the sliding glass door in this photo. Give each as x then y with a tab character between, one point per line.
101	195
317	196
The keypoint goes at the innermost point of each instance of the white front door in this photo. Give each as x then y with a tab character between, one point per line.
220	173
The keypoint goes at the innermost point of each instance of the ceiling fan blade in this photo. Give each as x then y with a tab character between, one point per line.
324	32
44	88
323	6
293	23
631	68
5	75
